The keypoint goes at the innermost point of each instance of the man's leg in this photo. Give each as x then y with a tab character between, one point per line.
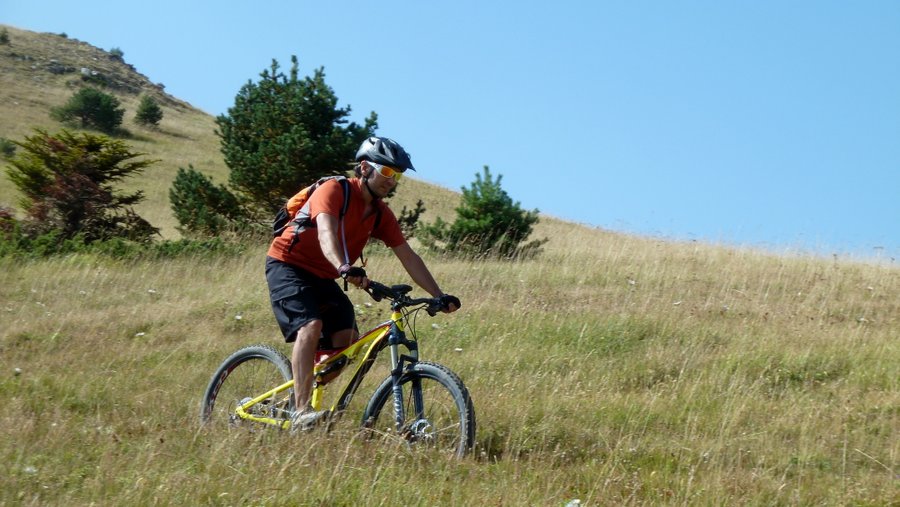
302	360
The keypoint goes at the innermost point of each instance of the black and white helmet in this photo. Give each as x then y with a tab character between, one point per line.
382	150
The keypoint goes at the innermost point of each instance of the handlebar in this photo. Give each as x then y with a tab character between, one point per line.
397	294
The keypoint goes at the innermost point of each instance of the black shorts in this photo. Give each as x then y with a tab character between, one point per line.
299	297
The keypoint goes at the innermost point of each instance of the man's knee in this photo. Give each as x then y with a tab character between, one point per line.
312	330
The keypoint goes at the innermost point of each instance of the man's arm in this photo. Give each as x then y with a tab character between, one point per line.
330	239
419	272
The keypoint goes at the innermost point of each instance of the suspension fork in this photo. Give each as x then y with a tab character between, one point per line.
399	364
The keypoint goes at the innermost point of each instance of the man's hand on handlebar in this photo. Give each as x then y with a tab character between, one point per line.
449	304
355	275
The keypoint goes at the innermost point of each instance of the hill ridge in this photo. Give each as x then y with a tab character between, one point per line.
40	71
46	55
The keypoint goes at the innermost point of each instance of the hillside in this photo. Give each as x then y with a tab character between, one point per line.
39	71
612	369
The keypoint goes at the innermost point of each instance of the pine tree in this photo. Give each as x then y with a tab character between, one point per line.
148	113
91	108
488	224
285	132
200	206
68	182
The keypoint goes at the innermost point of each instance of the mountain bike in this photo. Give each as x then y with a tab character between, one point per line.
421	402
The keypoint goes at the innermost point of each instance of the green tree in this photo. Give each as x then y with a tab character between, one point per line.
148	112
91	108
488	224
285	132
7	148
68	185
200	206
409	218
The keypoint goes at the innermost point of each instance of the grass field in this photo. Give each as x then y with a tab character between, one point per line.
612	369
620	371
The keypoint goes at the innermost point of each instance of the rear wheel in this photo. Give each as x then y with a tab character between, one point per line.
438	412
247	373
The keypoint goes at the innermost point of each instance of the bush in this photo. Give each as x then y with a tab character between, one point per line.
148	113
283	133
409	219
488	224
8	222
4	36
91	108
19	244
117	54
200	207
67	181
7	148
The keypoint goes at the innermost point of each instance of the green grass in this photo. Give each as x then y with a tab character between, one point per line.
613	369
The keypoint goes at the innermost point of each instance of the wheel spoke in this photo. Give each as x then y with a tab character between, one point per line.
438	410
243	376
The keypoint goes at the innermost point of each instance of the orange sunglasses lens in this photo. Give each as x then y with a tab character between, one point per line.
388	172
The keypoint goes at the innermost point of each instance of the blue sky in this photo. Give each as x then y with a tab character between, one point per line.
767	124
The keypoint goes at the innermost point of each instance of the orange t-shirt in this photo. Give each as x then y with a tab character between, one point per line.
329	198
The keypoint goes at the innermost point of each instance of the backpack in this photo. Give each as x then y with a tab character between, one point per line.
295	213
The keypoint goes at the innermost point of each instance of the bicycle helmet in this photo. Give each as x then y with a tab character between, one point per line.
382	150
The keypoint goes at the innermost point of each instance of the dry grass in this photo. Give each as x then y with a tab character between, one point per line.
612	369
617	371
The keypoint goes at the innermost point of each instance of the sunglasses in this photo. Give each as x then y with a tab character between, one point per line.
386	171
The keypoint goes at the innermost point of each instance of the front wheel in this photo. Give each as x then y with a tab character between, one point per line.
437	410
249	372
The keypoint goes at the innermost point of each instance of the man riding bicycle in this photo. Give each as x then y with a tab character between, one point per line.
301	271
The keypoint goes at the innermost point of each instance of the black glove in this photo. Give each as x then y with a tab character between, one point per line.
447	300
347	270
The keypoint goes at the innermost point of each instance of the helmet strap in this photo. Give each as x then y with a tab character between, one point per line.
375	197
365	180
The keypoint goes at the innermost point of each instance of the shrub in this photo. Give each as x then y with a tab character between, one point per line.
8	222
4	36
488	224
91	108
68	185
22	245
148	113
7	148
200	207
117	54
283	133
409	219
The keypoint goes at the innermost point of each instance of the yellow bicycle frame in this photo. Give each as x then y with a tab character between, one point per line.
369	342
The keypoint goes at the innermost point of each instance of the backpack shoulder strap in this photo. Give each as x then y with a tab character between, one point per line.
377	217
345	184
302	220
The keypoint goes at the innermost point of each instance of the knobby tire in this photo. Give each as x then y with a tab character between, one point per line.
247	373
448	421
